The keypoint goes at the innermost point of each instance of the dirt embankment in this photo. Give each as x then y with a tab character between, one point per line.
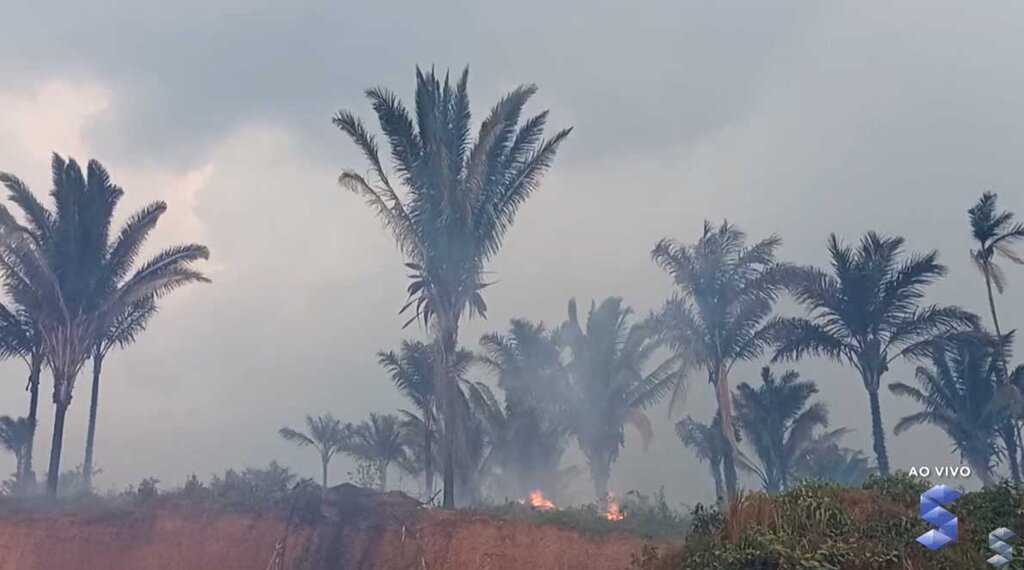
379	533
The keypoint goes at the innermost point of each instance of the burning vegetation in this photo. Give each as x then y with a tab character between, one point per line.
538	501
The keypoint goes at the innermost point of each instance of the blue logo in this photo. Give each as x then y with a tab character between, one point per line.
997	543
932	502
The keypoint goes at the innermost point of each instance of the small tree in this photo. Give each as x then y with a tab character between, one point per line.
961	393
610	383
16	437
378	442
779	422
996	234
324	434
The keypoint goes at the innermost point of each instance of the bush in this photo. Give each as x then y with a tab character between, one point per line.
252	487
823	526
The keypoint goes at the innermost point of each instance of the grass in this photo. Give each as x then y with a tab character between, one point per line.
645	516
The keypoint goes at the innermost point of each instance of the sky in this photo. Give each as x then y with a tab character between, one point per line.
801	118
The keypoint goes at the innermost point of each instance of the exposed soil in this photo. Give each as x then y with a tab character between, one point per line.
361	531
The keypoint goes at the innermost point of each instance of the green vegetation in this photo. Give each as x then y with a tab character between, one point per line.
824	526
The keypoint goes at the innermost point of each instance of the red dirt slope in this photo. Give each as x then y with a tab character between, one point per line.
392	535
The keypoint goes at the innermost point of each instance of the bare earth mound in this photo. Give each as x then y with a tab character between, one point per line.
360	531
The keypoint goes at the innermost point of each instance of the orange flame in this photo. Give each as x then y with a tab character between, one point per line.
539	501
612	511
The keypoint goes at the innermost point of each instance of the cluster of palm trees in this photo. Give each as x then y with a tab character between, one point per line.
376	443
453	198
75	289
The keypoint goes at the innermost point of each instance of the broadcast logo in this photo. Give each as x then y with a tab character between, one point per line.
997	542
932	502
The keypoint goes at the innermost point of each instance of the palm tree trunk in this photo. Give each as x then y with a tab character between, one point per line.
724	398
992	301
1019	438
428	455
981	469
324	461
383	475
447	341
1009	433
600	473
26	475
56	446
90	438
716	474
878	432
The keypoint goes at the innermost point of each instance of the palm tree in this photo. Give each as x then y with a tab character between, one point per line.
485	438
779	424
19	338
324	434
961	394
63	269
528	367
461	196
414	436
413	370
727	290
607	384
377	441
828	461
867	312
707	441
16	437
122	332
996	233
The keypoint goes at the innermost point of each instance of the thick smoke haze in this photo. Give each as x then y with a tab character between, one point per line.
796	118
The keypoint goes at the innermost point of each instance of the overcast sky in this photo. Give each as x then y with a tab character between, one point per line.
800	118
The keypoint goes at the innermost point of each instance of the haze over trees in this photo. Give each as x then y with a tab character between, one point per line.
499	419
460	197
726	292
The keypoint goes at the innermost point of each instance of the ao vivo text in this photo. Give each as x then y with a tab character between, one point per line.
948	471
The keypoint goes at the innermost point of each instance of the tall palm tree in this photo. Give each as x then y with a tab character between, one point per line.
726	291
16	437
122	332
961	394
608	383
707	441
779	422
377	441
413	370
527	364
20	338
996	234
324	434
66	272
461	196
867	312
